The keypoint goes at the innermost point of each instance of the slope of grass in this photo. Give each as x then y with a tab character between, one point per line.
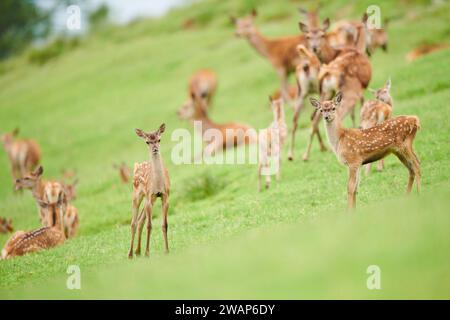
82	109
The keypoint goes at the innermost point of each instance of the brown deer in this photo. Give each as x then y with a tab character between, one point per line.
22	242
376	111
71	218
271	141
281	52
202	85
23	154
150	181
356	147
124	172
6	225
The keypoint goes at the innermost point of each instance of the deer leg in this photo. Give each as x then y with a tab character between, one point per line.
352	186
148	211
314	130
297	109
165	226
409	165
268	179
380	165
259	177
368	166
282	74
136	202
323	148
416	169
141	222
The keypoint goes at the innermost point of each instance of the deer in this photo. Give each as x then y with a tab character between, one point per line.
22	242
271	141
347	70
202	84
71	217
281	52
6	225
356	147
24	155
376	111
150	181
232	134
124	172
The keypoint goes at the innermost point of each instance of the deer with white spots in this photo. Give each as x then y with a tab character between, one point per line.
150	181
356	147
376	111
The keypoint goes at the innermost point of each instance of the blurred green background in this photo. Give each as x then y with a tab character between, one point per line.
81	97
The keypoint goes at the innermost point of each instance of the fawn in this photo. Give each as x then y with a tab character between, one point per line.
202	84
150	181
124	172
71	218
6	225
22	242
376	111
23	154
356	147
271	141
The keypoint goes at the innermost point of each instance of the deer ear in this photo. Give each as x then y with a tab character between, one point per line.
303	27
42	204
233	19
140	133
326	24
315	103
338	97
15	132
162	128
388	84
302	10
364	18
254	12
39	171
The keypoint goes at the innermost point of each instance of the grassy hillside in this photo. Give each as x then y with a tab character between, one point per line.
227	240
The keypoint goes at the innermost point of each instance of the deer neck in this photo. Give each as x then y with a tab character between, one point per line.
158	174
333	133
259	42
202	115
38	190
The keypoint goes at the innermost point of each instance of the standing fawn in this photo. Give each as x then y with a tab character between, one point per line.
23	154
376	111
6	225
22	242
356	147
271	141
202	84
124	172
150	181
71	219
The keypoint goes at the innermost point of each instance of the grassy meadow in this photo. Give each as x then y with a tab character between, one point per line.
296	240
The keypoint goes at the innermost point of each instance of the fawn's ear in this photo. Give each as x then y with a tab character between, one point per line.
303	27
15	132
338	97
254	12
315	103
388	84
140	133
39	171
326	24
162	128
364	18
233	19
302	10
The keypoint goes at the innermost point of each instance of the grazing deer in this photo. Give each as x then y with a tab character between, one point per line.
376	111
281	52
23	154
271	141
6	225
202	85
150	181
22	242
356	147
232	134
124	172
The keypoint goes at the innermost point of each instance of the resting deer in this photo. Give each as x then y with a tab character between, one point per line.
23	154
271	141
347	70
281	52
22	242
6	225
202	84
124	172
150	181
356	147
376	111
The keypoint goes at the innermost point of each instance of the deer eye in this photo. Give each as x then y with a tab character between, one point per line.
159	140
334	108
147	142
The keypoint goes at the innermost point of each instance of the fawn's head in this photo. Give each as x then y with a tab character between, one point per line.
6	225
244	25
327	108
152	139
316	36
384	93
30	180
8	138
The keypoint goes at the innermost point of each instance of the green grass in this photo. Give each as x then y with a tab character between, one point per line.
227	241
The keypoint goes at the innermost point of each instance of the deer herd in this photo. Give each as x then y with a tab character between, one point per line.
332	64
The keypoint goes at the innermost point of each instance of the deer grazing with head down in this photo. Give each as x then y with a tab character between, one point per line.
23	154
150	181
356	147
202	85
271	141
6	225
376	111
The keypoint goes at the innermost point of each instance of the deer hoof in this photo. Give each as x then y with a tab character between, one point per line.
137	252
305	158
291	158
130	255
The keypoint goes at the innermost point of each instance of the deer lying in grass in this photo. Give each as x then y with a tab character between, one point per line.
202	84
150	181
6	225
232	134
23	154
124	172
375	111
271	141
356	147
281	52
